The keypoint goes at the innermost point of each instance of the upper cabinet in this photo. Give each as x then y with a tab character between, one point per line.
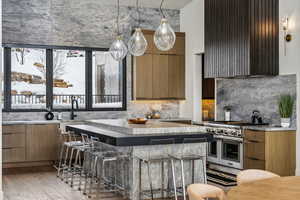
241	38
159	75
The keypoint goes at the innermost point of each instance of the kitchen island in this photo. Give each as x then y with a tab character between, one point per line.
136	140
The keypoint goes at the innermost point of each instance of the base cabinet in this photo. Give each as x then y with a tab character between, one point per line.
273	151
25	145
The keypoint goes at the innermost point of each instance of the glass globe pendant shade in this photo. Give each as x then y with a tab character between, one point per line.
137	44
118	49
164	37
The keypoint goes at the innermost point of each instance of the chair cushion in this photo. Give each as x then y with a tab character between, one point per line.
251	175
202	191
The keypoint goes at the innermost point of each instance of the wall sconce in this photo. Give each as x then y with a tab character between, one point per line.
287	34
285	26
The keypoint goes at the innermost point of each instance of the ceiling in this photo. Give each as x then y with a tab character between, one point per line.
170	4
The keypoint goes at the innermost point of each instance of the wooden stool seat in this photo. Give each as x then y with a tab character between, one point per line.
251	175
203	191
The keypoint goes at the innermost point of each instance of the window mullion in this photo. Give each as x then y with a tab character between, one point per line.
88	80
7	78
49	78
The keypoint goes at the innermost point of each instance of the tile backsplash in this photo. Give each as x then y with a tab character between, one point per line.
168	109
246	95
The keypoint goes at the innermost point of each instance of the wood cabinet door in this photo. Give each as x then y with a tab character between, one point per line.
250	163
12	155
42	142
160	77
179	46
143	77
176	72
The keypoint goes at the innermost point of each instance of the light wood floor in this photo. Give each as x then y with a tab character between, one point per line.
41	185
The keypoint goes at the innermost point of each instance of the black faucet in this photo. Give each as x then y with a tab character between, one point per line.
256	117
74	100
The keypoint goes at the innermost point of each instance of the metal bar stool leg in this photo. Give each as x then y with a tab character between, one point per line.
75	167
140	179
65	163
69	171
60	160
174	178
150	179
162	179
183	181
93	175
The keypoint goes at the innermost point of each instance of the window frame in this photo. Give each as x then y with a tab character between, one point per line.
49	78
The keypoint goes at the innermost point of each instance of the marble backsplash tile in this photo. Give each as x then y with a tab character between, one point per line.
246	95
167	110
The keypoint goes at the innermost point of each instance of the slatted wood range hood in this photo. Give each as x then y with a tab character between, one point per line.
241	38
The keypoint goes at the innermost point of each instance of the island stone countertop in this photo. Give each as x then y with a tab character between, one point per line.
118	132
151	127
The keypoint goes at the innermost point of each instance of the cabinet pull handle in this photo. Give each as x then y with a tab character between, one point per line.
251	141
251	158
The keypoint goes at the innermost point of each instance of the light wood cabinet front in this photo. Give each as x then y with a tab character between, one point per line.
143	77
176	73
12	155
42	142
272	151
160	77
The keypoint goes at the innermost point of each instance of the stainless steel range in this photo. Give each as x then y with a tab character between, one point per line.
228	148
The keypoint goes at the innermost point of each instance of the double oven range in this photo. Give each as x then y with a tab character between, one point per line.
227	150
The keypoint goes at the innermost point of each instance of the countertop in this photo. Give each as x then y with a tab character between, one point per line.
122	133
151	127
269	128
28	122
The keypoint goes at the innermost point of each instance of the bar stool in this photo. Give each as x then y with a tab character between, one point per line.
187	157
252	175
162	159
73	167
204	191
69	140
111	163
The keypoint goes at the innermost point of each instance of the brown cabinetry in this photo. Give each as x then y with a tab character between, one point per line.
272	151
159	74
26	144
42	142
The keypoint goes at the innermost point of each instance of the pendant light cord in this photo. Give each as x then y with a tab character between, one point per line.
118	28
138	12
161	10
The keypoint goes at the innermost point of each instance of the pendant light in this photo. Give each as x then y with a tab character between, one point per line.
118	49
164	37
137	44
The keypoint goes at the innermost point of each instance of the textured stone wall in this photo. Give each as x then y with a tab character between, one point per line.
80	23
73	22
246	95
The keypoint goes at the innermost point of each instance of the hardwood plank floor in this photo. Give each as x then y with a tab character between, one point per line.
41	185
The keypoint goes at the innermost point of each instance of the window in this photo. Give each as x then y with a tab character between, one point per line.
68	77
41	77
28	78
107	85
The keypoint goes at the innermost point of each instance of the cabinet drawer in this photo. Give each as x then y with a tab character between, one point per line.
13	155
252	163
256	136
254	149
12	129
13	140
